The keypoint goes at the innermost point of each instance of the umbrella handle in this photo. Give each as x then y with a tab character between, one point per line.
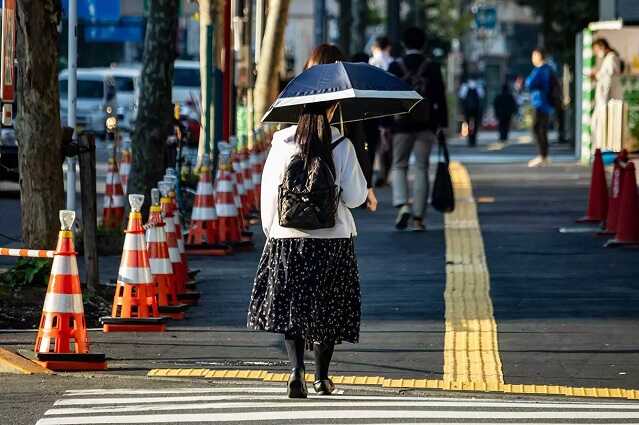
341	117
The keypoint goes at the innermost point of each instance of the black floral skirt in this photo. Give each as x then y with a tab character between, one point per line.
307	288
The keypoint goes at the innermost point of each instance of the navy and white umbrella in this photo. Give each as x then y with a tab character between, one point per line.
363	92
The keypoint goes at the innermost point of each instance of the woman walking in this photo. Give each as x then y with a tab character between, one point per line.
307	282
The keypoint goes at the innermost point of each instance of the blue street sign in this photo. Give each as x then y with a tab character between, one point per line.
486	17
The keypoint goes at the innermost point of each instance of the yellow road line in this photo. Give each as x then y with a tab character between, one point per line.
471	351
407	383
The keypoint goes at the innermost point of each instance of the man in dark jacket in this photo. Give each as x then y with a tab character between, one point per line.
505	107
416	134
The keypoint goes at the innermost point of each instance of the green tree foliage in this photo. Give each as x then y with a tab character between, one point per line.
560	21
443	20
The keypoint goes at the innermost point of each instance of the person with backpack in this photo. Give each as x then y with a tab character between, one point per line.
414	133
505	107
307	282
471	95
540	83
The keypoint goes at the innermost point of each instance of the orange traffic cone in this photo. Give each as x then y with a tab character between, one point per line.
203	237
62	342
125	166
228	219
615	194
177	259
598	194
256	168
240	187
113	212
628	221
160	263
135	306
247	175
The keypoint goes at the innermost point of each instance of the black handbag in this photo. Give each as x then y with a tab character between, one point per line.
443	197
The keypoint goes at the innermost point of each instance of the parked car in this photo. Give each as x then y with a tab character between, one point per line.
127	83
96	98
8	155
186	82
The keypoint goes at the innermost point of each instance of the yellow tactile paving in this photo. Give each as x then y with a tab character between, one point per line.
471	352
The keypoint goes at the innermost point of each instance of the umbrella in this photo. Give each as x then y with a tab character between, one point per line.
363	92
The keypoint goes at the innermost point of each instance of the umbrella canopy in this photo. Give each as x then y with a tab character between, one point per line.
363	92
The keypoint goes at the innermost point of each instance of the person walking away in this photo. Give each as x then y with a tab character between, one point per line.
381	53
505	107
307	282
355	131
471	95
610	65
415	132
382	59
539	83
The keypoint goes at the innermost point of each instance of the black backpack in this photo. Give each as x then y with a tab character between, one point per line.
308	196
555	95
422	113
472	102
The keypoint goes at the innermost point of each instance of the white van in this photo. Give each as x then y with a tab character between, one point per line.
186	82
96	98
127	83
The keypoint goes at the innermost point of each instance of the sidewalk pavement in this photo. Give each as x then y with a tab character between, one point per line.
564	307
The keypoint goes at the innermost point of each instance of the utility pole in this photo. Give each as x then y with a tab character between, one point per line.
72	95
392	21
260	21
319	21
345	26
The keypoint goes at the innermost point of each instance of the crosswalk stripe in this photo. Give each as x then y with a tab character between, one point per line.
338	402
188	390
324	414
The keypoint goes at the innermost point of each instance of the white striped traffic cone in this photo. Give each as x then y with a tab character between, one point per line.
113	211
135	306
161	268
62	342
125	166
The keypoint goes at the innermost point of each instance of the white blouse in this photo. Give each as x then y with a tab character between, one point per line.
349	178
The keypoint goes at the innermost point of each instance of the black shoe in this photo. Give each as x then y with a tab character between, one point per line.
324	386
296	387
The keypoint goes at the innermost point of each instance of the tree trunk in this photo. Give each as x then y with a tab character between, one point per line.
361	22
272	47
38	128
155	115
345	26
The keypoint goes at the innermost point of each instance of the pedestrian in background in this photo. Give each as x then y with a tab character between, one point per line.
539	83
610	65
382	59
381	53
471	96
414	133
505	107
307	282
355	131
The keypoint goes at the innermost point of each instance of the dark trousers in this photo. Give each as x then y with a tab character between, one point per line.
473	127
540	131
504	128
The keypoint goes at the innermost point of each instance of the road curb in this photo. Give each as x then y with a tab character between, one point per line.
11	362
405	383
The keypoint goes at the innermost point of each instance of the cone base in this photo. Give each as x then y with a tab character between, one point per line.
606	233
193	273
586	219
214	250
191	286
189	298
62	362
243	246
612	243
118	324
175	312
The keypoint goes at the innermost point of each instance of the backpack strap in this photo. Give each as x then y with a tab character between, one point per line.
337	142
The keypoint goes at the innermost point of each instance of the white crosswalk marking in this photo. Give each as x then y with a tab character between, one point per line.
244	404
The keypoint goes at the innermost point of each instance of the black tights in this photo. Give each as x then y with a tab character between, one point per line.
323	355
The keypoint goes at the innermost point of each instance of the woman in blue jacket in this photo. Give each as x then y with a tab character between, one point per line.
539	83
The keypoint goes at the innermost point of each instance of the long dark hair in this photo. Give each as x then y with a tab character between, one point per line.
324	53
313	134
